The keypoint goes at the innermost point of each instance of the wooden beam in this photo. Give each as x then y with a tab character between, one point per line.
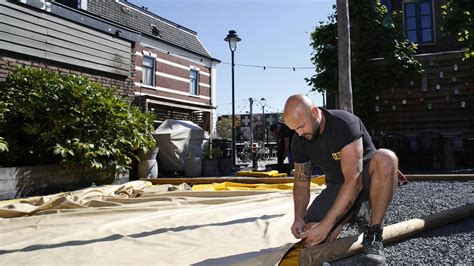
344	56
441	177
210	180
281	180
348	246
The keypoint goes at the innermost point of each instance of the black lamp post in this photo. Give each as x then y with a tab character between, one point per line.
232	38
263	125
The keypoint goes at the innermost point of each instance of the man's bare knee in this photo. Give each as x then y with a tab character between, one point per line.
384	162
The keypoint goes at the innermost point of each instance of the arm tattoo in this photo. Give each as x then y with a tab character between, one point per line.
303	171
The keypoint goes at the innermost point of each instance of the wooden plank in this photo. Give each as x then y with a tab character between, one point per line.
53	22
41	53
8	32
88	43
78	31
66	27
22	49
441	177
210	180
85	57
38	26
348	246
282	180
116	58
33	26
90	52
73	61
15	14
22	41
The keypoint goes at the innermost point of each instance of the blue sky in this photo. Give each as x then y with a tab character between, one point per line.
274	33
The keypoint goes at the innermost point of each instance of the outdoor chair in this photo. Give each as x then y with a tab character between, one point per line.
430	150
468	149
400	144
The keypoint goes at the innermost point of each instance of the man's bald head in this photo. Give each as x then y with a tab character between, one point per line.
302	115
296	106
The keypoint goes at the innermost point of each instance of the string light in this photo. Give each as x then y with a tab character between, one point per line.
264	67
270	67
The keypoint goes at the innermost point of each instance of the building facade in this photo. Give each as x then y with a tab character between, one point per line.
174	75
49	36
430	114
153	62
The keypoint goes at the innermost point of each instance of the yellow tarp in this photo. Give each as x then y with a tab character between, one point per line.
315	181
273	173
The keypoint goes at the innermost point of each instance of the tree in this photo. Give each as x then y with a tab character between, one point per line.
3	143
459	22
374	34
224	128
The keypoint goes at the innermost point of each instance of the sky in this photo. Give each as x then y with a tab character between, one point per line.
274	33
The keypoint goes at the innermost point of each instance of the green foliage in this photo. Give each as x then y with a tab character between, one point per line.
374	34
56	118
3	143
459	22
211	153
224	128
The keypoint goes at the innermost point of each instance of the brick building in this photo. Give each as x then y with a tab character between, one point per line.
174	73
157	64
427	118
49	36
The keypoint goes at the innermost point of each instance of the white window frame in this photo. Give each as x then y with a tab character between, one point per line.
194	82
148	68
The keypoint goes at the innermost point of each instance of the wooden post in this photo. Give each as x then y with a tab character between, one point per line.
348	246
344	56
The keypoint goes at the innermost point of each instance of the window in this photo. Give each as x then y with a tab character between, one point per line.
148	70
419	21
194	82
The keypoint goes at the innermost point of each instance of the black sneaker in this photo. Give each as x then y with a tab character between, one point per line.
373	246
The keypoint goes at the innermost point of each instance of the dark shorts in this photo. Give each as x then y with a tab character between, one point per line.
323	202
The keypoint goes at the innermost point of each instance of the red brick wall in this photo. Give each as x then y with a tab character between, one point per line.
123	84
171	83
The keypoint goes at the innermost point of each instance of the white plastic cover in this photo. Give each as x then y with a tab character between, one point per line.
178	139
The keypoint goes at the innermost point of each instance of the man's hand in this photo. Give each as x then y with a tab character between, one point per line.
316	234
297	228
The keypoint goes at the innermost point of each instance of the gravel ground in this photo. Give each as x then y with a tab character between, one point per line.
450	244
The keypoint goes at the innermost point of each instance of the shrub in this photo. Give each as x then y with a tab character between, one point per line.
59	118
211	153
3	143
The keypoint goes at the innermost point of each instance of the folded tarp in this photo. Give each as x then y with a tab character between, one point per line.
149	227
273	173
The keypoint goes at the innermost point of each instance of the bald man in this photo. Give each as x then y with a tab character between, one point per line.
360	180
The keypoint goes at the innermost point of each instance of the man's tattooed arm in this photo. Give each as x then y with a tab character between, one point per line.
303	171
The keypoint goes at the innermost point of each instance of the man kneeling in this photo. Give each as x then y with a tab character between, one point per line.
360	180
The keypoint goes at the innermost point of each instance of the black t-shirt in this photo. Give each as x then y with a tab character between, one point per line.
341	128
285	132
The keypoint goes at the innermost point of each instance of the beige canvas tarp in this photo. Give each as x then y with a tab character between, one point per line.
137	224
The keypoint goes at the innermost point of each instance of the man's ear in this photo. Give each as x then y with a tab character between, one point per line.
314	112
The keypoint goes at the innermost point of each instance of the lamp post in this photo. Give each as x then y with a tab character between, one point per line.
232	38
263	122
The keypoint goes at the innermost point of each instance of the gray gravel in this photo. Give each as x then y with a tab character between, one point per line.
450	244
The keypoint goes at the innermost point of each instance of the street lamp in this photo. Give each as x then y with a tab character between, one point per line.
232	38
263	125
